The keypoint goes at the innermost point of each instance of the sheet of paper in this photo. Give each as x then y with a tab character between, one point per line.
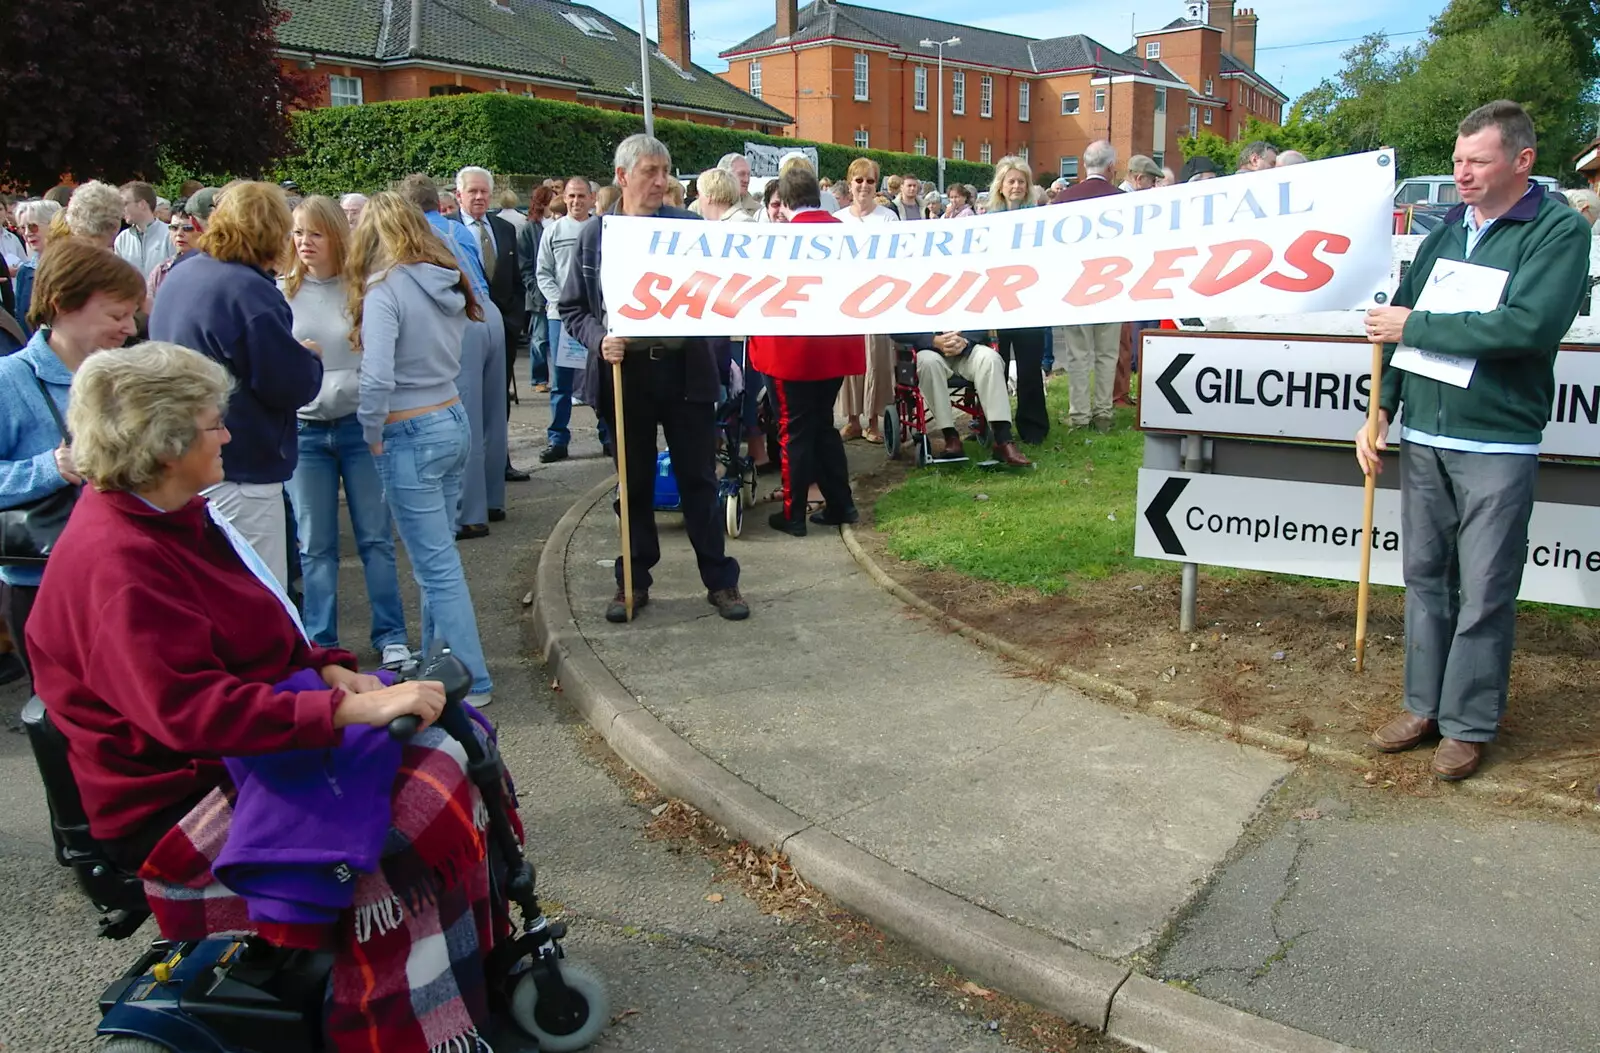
1453	287
570	354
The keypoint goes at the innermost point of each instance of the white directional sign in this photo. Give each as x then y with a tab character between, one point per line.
1315	388
1314	529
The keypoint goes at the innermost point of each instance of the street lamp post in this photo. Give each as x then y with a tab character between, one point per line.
644	72
941	45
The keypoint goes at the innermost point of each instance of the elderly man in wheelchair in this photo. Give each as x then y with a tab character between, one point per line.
968	356
205	762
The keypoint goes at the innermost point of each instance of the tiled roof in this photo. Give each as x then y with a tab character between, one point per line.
823	19
535	39
1232	65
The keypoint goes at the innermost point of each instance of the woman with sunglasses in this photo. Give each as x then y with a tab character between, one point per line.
867	395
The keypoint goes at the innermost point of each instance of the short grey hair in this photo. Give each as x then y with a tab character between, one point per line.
1585	201
135	410
474	170
726	163
636	148
1099	157
1292	157
1060	184
717	186
95	210
352	199
40	212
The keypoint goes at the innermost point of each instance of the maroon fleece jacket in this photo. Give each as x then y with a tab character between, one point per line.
155	650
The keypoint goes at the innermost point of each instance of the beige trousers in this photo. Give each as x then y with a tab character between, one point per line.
980	364
869	395
1091	349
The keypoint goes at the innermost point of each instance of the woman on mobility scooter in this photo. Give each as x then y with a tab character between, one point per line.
164	645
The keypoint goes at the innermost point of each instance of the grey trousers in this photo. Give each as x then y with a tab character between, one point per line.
1464	530
482	386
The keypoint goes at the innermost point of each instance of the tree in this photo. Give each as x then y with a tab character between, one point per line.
110	88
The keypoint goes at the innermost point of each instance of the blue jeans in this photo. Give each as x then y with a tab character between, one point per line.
1049	362
422	465
563	382
540	348
331	451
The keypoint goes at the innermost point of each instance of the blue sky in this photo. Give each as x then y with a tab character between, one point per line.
719	24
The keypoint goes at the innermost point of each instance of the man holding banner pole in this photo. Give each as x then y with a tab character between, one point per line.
673	383
1470	346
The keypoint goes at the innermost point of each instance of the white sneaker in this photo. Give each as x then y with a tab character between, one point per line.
480	701
395	654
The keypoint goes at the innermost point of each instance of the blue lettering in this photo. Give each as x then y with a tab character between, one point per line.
737	244
1248	202
795	245
700	246
1020	231
821	249
1285	194
1141	213
906	242
655	243
1110	225
938	242
1208	210
974	240
1084	229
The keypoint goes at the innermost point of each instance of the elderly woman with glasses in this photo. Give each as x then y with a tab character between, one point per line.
34	218
869	395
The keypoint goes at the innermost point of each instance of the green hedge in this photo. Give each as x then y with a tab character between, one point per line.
363	148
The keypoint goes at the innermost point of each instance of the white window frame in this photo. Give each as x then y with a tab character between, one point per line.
1194	121
919	88
958	92
1161	100
862	71
863	140
1160	158
1024	101
919	146
1207	117
985	154
755	78
1022	152
1100	100
1069	168
1208	87
345	97
1071	103
986	96
1152	49
958	150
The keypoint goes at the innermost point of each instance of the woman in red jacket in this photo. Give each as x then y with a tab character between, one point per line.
806	372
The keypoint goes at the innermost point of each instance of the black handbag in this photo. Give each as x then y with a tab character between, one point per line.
28	532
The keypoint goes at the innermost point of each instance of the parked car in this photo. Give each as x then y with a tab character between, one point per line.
1441	190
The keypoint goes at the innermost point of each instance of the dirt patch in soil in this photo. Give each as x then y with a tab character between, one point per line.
1278	655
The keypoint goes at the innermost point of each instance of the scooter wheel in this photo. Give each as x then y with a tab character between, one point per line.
129	1044
588	1011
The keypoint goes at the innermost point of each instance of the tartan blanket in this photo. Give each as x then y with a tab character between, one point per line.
408	968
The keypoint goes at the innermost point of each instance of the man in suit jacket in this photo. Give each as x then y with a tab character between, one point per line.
1092	349
497	245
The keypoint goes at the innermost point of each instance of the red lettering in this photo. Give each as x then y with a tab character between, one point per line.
1001	286
1161	269
1099	282
648	305
894	290
924	301
730	301
1302	255
692	296
1215	277
793	291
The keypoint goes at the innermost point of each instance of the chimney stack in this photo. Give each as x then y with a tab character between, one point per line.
1219	13
1244	36
672	27
788	18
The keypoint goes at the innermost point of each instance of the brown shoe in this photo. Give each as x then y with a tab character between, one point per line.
850	431
1455	760
952	450
1007	453
1404	732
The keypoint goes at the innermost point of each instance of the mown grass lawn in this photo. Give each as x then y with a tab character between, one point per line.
1069	518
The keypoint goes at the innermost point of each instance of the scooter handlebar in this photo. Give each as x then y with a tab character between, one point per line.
449	670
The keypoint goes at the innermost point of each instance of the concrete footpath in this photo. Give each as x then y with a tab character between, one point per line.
1065	850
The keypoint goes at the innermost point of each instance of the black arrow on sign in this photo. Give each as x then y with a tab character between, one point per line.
1164	382
1156	515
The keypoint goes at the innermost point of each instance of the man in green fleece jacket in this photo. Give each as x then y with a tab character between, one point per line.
1471	454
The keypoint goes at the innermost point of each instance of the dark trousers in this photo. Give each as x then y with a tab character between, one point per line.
1464	530
1026	347
16	603
653	396
810	446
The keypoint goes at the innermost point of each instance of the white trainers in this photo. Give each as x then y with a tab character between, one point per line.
480	701
395	654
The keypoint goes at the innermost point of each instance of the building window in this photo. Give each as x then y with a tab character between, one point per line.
1159	158
861	139
985	154
1022	152
1208	115
919	88
1022	101
920	146
344	91
755	77
958	150
589	25
1099	100
1069	103
1069	167
1208	87
1152	50
1161	100
861	76
986	96
958	92
1194	121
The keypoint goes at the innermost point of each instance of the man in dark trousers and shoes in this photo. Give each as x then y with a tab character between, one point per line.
671	383
807	372
1470	453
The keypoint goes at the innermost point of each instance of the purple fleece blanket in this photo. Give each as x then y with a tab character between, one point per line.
307	821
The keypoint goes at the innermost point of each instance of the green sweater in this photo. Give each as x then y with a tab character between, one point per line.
1545	248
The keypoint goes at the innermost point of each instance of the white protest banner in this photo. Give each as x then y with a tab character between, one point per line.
1312	237
764	160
